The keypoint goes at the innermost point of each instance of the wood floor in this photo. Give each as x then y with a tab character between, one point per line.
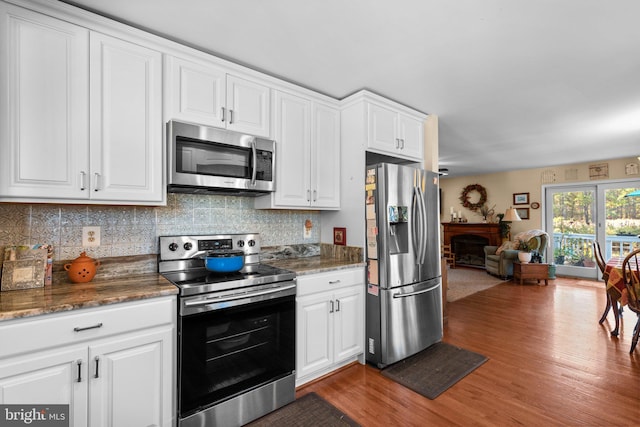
550	363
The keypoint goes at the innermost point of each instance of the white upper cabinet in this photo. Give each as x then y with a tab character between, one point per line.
325	161
126	121
307	134
248	106
82	119
293	150
44	113
394	133
206	94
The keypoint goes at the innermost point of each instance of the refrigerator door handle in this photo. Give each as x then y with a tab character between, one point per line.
411	294
420	225
416	233
423	228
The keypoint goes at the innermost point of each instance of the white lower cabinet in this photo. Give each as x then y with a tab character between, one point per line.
329	322
117	374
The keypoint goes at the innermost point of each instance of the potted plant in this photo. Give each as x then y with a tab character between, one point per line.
561	252
524	254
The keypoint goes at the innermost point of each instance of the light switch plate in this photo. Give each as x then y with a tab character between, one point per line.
91	236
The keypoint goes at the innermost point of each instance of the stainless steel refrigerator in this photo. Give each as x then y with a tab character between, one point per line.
404	288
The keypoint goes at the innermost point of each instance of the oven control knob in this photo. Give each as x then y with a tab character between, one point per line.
252	243
187	246
240	243
173	246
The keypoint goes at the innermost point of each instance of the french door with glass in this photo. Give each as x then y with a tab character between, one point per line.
576	216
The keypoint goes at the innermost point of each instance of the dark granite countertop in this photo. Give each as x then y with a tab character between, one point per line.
122	279
68	296
314	264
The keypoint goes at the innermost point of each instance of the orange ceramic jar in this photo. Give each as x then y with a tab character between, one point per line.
82	269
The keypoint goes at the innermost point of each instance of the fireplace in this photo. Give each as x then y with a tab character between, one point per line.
468	240
469	249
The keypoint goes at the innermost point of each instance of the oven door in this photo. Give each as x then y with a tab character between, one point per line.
233	346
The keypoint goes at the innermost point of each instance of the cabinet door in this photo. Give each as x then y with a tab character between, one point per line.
48	377
293	143
131	380
314	334
126	121
44	110
325	157
248	105
412	136
383	129
349	326
196	92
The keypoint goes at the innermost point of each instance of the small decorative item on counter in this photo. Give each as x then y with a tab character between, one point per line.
48	274
23	267
82	269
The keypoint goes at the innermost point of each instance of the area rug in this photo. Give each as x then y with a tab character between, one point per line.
467	281
435	369
310	410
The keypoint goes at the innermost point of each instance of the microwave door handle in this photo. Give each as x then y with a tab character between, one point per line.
254	160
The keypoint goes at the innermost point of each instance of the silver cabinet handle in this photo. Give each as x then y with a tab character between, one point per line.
97	359
79	362
222	119
315	195
96	177
83	184
337	305
308	195
79	329
334	282
230	116
402	143
397	142
331	303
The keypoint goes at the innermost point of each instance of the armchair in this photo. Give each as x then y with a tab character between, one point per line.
499	264
498	260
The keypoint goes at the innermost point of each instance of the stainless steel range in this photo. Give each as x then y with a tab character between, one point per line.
236	331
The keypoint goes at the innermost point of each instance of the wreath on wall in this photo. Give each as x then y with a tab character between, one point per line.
466	191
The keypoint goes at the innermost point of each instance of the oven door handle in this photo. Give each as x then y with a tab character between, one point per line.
237	297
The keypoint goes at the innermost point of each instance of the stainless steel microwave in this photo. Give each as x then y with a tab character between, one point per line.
203	159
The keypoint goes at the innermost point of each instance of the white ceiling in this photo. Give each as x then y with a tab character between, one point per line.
515	83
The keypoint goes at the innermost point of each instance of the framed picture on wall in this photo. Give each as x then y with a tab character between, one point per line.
520	198
339	236
523	213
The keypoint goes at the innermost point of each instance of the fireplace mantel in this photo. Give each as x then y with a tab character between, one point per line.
468	239
488	231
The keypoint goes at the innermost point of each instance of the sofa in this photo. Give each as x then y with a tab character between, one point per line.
498	260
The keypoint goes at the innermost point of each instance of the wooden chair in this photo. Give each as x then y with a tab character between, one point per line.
631	274
449	256
605	276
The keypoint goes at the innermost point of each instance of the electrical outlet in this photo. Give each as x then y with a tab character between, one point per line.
91	236
307	233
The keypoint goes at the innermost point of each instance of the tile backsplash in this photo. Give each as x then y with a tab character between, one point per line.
134	230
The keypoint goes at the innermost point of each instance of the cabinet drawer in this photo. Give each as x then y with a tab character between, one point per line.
41	332
329	281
